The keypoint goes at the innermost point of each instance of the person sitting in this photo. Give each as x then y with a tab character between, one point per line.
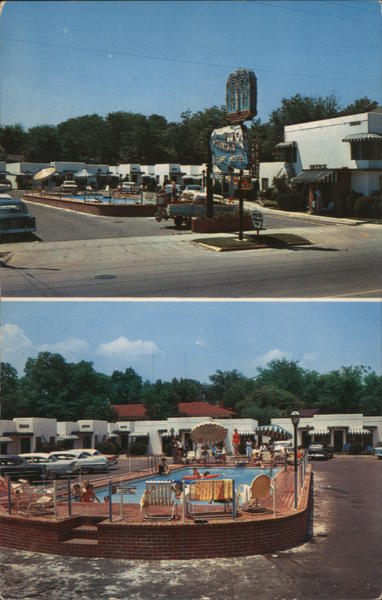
89	495
76	492
163	468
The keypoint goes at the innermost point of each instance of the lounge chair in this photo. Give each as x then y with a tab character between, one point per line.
210	491
259	489
159	493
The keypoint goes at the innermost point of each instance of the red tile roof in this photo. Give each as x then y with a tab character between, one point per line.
130	411
203	409
188	409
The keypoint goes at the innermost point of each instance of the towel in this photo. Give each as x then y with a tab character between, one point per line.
195	491
219	490
227	489
206	490
244	493
143	501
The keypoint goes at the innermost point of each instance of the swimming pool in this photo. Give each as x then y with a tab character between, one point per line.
238	474
107	200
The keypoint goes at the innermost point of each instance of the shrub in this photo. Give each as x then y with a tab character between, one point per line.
270	204
291	201
108	448
355	447
363	207
349	203
139	446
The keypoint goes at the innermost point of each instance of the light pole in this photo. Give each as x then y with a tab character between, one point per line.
172	445
295	417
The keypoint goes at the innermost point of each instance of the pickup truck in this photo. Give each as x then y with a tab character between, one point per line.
17	467
195	205
320	451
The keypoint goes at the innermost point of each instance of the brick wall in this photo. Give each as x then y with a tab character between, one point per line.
93	208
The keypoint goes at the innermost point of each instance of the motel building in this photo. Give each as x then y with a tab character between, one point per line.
21	435
330	158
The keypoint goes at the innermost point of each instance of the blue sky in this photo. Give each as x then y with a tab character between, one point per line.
162	340
65	59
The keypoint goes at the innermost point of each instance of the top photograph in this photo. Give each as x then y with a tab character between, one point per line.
221	150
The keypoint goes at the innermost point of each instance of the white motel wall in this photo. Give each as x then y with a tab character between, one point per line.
27	434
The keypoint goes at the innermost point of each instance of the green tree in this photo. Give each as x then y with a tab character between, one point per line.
341	390
371	402
42	144
159	400
9	392
127	386
13	138
283	374
361	105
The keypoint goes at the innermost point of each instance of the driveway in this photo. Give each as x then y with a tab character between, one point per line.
342	560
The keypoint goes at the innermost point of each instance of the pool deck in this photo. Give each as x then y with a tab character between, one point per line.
89	531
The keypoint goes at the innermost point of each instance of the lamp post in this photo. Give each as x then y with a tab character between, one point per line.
172	445
295	418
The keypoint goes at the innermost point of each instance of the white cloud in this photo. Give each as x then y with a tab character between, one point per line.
308	359
124	346
13	339
275	354
200	342
69	347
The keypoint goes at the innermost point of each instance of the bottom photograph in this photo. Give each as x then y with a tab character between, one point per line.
155	448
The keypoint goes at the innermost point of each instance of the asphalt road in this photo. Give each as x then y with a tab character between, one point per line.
341	560
54	224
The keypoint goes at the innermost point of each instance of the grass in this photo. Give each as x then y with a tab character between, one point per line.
253	242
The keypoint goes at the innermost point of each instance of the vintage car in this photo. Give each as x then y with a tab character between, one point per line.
85	461
113	460
320	451
16	467
378	453
14	216
69	187
54	466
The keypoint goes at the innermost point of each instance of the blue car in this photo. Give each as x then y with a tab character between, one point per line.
14	217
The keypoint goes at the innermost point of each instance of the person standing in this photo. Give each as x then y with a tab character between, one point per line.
248	448
161	197
236	442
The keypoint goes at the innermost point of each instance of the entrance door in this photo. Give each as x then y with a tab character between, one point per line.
338	440
3	447
25	445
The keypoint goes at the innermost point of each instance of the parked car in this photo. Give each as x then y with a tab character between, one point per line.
55	467
17	467
193	187
129	187
85	461
378	453
5	185
112	459
320	451
69	187
14	216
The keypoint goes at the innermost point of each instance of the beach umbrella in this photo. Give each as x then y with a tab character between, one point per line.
44	173
208	433
274	431
83	174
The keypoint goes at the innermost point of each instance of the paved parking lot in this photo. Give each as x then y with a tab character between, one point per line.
342	560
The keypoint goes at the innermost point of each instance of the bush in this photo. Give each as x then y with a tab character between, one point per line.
363	207
108	448
355	447
291	201
139	446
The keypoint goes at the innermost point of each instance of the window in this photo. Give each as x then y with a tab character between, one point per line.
23	426
366	150
264	183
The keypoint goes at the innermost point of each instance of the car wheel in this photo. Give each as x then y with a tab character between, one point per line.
51	474
85	470
178	222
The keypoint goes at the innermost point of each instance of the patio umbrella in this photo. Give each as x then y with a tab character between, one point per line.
83	174
274	431
208	433
44	173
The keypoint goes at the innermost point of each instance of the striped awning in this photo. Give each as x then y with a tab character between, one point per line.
315	176
359	431
319	432
274	431
139	434
111	436
168	433
282	145
362	137
246	431
5	440
66	436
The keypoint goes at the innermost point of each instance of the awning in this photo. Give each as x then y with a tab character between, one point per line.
274	431
139	433
362	137
67	436
246	431
5	440
319	432
169	433
111	436
315	176
282	145
359	431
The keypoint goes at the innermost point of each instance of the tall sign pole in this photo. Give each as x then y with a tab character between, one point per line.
210	196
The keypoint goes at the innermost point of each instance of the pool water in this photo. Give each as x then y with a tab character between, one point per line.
107	200
240	475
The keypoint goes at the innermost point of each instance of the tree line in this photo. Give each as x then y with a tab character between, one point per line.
52	387
127	137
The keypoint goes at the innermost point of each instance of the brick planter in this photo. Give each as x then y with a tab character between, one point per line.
95	208
219	225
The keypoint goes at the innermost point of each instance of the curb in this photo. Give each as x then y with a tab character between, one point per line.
299	215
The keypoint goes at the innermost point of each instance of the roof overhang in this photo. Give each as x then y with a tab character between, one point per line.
362	137
5	440
315	176
67	436
282	145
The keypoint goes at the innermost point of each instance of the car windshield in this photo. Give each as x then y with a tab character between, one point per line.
12	207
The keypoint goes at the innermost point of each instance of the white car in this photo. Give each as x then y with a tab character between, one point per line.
283	446
112	459
55	467
84	461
